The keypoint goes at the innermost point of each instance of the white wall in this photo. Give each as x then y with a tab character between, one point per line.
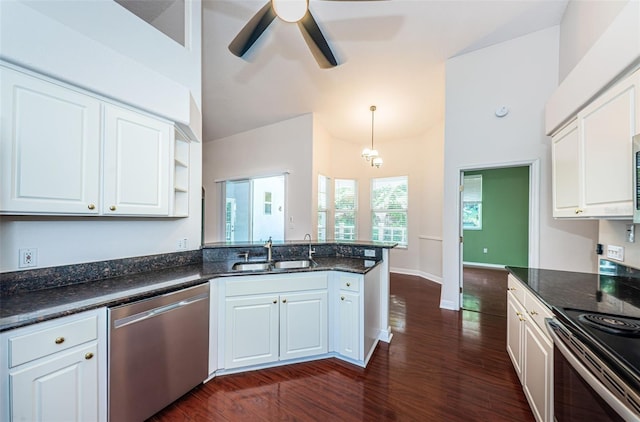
582	24
103	47
418	158
615	233
270	150
98	45
521	74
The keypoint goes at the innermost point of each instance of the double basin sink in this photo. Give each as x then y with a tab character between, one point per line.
276	265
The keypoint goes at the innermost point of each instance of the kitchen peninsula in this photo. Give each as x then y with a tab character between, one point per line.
285	312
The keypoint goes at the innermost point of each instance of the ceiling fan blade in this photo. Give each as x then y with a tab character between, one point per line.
316	41
252	30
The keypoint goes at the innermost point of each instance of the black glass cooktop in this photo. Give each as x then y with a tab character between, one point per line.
618	335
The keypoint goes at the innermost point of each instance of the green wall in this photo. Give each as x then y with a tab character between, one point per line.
505	219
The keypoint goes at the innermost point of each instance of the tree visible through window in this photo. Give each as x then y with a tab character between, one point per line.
389	205
346	208
322	207
472	202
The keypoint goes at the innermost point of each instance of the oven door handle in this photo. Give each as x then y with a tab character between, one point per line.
592	380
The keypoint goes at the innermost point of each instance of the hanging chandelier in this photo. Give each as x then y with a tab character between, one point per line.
371	155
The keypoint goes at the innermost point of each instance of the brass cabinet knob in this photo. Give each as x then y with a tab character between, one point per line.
348	284
275	300
284	300
88	356
578	211
533	313
59	340
341	297
522	319
112	207
518	313
91	206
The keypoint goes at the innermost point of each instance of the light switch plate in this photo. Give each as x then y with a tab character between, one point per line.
615	252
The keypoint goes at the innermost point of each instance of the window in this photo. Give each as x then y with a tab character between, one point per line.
346	208
254	209
472	202
389	204
322	207
267	203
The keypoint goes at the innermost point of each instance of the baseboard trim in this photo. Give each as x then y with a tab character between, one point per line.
484	265
421	274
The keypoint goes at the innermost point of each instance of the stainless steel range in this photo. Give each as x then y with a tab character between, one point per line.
597	359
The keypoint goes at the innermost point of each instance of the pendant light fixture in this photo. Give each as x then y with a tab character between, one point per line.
371	155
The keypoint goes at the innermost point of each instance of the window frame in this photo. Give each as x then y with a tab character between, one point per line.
322	211
337	211
404	241
475	200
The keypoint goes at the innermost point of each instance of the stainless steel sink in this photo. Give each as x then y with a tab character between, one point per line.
299	263
251	266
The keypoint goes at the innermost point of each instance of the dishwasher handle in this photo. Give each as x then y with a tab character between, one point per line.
139	317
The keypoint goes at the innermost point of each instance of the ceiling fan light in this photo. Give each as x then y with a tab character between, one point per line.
290	10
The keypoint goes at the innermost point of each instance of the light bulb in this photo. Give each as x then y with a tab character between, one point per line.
290	10
377	161
366	153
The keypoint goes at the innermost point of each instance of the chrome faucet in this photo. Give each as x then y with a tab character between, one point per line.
311	251
268	245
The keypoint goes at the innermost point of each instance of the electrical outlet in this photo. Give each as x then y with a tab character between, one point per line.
631	233
615	252
485	250
370	252
182	244
28	257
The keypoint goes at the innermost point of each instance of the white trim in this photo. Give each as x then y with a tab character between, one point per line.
482	265
434	238
421	274
259	176
534	218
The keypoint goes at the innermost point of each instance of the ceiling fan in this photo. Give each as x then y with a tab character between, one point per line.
294	11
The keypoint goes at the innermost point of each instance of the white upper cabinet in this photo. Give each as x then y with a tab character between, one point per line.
566	171
67	152
136	163
592	156
50	148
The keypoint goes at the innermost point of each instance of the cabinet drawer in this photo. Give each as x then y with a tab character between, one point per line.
44	342
349	282
537	311
516	288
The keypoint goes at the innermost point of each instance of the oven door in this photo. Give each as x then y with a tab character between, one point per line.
579	395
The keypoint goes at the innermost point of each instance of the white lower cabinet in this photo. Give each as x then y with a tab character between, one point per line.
56	370
273	318
530	348
348	325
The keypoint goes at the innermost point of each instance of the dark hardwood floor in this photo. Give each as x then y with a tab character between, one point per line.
484	290
440	366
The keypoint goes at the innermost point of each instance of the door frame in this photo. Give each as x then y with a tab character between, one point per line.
534	212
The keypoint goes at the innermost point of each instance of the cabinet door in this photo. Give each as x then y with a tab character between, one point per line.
251	330
566	172
50	147
303	324
62	387
136	163
537	372
515	327
348	325
607	126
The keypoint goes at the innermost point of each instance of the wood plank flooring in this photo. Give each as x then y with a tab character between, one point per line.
440	366
483	290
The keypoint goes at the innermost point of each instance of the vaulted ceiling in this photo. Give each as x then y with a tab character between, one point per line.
390	53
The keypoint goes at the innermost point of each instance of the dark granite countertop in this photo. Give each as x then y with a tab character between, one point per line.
28	307
610	294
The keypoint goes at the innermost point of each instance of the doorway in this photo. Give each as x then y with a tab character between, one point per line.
495	211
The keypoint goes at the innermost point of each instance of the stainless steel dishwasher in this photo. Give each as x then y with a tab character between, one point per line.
158	351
